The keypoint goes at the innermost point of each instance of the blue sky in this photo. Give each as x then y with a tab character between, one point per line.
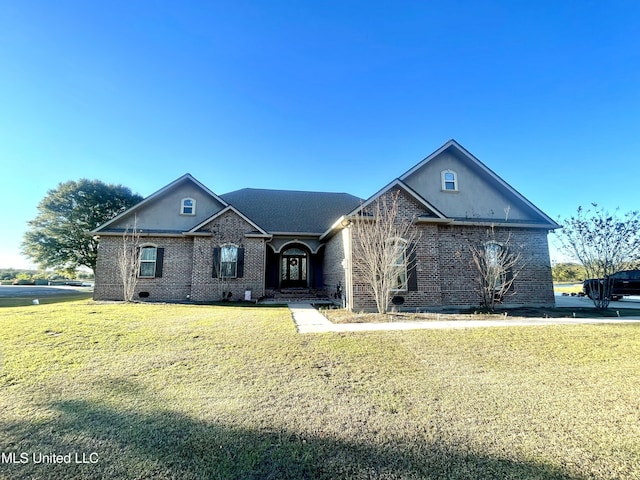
325	95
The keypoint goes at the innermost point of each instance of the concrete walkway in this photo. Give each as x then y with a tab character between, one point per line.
308	320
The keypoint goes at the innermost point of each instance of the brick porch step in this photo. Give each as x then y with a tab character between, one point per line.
292	295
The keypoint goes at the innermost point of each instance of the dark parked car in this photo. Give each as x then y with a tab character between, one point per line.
625	282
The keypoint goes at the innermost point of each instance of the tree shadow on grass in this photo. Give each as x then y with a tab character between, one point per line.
168	444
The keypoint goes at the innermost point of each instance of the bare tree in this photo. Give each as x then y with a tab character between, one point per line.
603	244
385	241
498	263
129	261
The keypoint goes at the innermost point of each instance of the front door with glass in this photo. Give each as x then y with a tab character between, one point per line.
293	268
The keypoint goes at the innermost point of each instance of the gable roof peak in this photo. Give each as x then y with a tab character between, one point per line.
187	177
472	160
229	208
399	184
451	143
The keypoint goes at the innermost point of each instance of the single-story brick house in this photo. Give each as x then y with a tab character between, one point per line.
199	246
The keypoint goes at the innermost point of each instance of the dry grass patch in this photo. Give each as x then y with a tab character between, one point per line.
345	316
193	392
339	315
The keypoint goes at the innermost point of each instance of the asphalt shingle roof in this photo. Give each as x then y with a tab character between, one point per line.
291	211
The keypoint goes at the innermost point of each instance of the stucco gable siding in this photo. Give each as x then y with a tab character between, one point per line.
163	212
482	196
478	195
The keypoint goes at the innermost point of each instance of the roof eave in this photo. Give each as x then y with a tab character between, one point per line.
229	208
338	225
140	233
513	224
296	234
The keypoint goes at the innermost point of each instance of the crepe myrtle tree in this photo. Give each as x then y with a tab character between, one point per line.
497	263
386	242
128	261
603	243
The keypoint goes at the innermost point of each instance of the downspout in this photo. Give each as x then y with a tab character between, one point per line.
264	267
347	265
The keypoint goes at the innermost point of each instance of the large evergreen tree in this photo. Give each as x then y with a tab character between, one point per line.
59	235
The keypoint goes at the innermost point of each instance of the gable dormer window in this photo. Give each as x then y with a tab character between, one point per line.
449	181
188	206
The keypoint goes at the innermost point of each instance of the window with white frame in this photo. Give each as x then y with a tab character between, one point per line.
449	181
188	206
148	258
494	263
228	261
398	265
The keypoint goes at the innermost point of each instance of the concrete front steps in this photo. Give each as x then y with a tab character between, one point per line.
297	295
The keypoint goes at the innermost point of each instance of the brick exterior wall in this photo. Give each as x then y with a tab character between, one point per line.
174	285
229	229
334	271
188	266
207	288
533	285
446	275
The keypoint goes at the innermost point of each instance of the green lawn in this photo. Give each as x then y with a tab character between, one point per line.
192	392
21	301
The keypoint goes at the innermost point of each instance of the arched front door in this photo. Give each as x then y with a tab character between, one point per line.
294	268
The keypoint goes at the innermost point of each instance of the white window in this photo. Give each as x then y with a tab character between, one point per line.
398	267
228	261
449	181
494	255
188	206
148	258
